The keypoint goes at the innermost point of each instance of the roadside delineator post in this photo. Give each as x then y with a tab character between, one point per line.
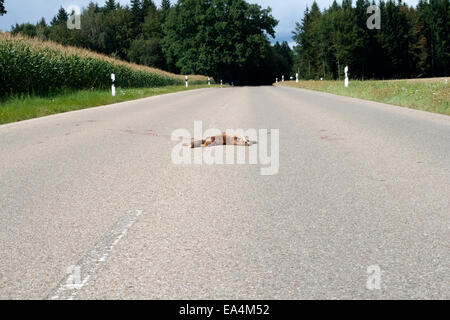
187	81
113	87
276	80
296	77
221	82
282	78
209	81
346	76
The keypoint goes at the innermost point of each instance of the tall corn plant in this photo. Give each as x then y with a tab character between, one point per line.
27	68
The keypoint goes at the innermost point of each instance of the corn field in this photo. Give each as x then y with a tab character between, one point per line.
31	66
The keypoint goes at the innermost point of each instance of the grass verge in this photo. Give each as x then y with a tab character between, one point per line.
21	108
427	95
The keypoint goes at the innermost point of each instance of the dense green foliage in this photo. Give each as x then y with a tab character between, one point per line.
30	68
2	7
225	39
230	39
412	42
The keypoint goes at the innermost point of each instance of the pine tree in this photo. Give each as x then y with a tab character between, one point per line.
361	47
60	18
283	59
435	16
2	8
136	10
308	43
58	30
110	5
42	30
346	4
418	49
165	5
26	29
152	25
137	17
147	5
164	11
326	37
395	39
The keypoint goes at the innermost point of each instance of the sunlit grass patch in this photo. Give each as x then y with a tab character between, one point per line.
27	107
432	96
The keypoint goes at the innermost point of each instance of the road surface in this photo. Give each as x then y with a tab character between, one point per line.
92	206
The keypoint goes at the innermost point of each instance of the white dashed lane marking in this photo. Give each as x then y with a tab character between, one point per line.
80	274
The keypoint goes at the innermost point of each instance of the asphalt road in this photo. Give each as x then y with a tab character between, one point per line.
92	206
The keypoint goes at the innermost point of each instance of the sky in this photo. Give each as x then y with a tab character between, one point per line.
288	12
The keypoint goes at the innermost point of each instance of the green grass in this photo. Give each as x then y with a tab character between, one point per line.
427	95
21	108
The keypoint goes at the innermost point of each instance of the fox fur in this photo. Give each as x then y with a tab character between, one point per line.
220	140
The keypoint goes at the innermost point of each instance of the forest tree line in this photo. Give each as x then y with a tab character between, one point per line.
227	40
412	42
230	40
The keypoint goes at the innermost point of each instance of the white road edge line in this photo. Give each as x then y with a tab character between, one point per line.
80	274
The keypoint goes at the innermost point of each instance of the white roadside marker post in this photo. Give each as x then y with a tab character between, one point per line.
113	88
282	78
209	81
346	76
221	82
296	77
276	80
187	81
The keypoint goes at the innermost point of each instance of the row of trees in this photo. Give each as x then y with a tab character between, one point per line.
412	42
225	39
230	39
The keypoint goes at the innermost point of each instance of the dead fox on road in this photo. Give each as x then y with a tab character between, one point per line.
220	140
